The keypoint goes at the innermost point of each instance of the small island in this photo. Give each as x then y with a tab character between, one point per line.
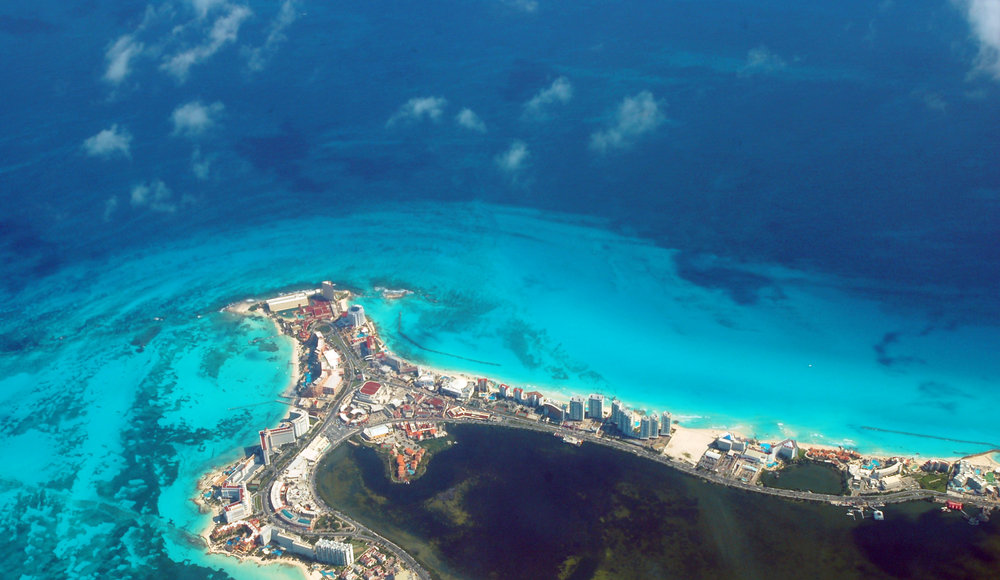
347	387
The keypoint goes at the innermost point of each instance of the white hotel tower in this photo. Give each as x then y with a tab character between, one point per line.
356	315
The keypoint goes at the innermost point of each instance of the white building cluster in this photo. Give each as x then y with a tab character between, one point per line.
233	491
971	478
639	424
331	375
288	302
458	387
289	431
875	476
325	551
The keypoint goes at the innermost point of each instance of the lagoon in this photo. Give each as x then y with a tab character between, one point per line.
506	503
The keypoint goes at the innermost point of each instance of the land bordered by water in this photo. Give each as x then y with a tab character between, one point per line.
361	353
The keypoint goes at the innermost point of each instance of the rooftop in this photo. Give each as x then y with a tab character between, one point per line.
370	388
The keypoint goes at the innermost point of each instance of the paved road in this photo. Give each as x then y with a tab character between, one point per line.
338	434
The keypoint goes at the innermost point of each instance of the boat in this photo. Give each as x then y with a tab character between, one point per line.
878	515
573	440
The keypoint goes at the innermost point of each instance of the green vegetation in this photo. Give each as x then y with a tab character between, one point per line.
568	566
448	505
359	546
255	307
934	482
327	523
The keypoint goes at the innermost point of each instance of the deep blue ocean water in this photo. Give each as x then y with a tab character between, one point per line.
775	217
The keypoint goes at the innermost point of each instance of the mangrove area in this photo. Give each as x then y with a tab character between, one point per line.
505	503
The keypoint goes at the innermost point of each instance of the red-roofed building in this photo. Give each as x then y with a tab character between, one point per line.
372	393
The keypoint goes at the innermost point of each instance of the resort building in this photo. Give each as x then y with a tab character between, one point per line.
291	543
290	430
328	290
626	422
376	433
288	302
729	442
554	412
649	426
754	456
300	422
788	450
334	553
399	365
372	393
238	507
616	411
458	388
576	409
665	423
356	315
271	440
595	407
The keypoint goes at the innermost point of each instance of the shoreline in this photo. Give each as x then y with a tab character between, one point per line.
696	439
245	308
563	396
685	445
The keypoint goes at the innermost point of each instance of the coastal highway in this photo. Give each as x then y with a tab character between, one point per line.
338	433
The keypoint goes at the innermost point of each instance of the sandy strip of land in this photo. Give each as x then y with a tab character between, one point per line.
688	445
283	561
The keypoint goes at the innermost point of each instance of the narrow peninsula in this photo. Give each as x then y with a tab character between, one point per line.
347	387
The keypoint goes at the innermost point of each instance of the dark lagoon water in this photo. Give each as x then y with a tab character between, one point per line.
513	504
798	201
815	477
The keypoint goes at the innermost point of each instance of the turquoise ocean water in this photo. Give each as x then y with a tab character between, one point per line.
774	217
95	427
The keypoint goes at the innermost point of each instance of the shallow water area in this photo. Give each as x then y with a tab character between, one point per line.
778	218
167	386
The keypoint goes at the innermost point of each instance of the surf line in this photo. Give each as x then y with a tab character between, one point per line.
399	329
984	443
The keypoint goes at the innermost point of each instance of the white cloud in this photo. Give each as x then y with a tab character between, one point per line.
528	6
514	158
203	7
933	101
119	56
193	119
109	143
468	119
761	59
224	31
200	165
418	109
560	91
154	195
984	18
636	116
110	205
257	57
